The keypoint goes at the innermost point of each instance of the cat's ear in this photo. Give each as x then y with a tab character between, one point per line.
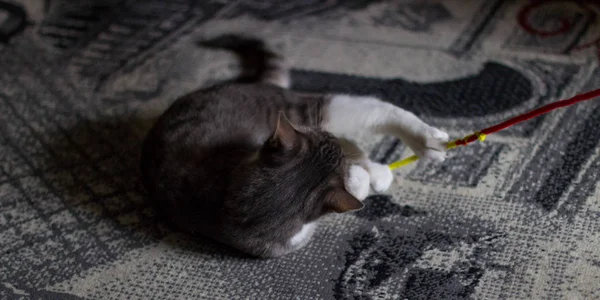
341	201
285	134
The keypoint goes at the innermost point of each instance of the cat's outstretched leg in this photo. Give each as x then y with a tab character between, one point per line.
350	116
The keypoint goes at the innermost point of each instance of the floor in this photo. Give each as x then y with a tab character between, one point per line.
514	217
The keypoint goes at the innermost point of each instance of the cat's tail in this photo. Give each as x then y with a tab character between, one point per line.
259	62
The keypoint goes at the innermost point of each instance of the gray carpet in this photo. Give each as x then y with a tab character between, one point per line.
515	217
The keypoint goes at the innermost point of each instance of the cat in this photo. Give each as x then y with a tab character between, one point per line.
254	165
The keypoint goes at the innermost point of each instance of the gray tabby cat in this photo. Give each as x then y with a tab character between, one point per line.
254	165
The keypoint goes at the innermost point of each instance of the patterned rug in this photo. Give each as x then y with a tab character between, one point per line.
515	217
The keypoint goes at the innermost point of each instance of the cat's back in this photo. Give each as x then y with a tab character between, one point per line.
230	113
205	134
195	145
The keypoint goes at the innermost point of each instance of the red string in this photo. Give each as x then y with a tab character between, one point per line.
532	114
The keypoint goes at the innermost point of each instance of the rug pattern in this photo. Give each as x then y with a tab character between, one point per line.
515	217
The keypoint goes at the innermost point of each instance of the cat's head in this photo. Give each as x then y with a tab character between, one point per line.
308	165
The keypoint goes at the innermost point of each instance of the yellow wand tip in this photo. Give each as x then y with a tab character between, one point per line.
401	163
404	162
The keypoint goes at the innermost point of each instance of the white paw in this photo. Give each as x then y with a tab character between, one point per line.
430	143
381	176
357	182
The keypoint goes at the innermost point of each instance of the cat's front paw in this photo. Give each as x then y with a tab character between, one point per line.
381	176
357	182
430	143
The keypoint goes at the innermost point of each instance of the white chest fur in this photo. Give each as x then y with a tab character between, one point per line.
303	235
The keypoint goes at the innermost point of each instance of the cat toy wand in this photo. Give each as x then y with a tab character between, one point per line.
481	135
